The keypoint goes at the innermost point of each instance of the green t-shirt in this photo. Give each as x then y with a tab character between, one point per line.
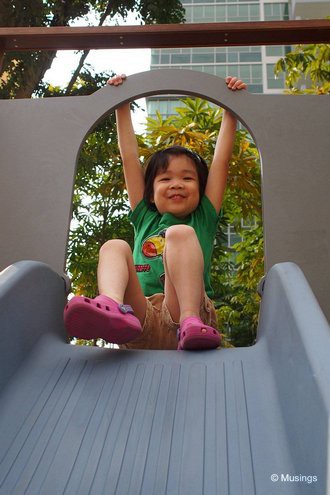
150	227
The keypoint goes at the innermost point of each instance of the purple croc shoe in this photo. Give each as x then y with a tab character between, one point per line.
193	334
101	317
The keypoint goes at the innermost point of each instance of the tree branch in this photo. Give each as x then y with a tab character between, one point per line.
85	53
35	73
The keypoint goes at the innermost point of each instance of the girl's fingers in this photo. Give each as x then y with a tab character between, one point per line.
117	80
241	85
230	81
234	83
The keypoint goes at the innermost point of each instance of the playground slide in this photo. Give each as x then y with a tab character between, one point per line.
84	420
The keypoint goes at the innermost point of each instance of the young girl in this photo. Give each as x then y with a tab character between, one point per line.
159	296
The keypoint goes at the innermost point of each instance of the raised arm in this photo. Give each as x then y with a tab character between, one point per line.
134	177
217	179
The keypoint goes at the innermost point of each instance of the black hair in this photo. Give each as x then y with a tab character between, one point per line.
159	162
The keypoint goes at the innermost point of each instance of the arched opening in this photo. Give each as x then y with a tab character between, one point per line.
100	208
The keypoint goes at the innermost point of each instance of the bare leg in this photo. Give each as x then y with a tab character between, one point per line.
117	277
184	265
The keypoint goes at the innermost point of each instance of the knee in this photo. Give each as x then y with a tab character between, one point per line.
178	233
118	245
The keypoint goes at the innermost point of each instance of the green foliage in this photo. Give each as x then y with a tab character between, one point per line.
239	306
307	69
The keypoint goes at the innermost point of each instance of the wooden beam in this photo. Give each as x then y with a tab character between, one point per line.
166	35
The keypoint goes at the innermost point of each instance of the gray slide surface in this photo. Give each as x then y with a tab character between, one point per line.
83	420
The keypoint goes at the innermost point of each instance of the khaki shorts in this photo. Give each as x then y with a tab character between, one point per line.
159	330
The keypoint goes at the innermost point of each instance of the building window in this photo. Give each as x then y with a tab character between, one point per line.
273	83
232	12
203	57
277	51
276	11
250	57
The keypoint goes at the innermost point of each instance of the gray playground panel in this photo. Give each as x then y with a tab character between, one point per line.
40	142
83	420
86	420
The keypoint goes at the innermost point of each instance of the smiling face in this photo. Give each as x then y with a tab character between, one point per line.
176	189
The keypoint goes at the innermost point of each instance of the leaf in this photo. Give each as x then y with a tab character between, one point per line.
306	65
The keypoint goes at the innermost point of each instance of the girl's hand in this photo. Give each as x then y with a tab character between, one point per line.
234	83
117	80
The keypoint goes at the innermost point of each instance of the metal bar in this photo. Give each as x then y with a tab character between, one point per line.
166	35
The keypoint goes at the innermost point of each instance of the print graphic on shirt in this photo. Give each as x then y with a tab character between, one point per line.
142	268
153	246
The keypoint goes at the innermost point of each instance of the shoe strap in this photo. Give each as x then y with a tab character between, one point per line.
126	308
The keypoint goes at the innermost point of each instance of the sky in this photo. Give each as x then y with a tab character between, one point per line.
123	61
127	61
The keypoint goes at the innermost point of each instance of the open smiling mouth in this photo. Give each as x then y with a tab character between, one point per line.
177	196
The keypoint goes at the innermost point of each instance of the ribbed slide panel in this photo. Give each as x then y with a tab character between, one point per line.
133	427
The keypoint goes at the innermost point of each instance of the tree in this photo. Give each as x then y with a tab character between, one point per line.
21	73
307	69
